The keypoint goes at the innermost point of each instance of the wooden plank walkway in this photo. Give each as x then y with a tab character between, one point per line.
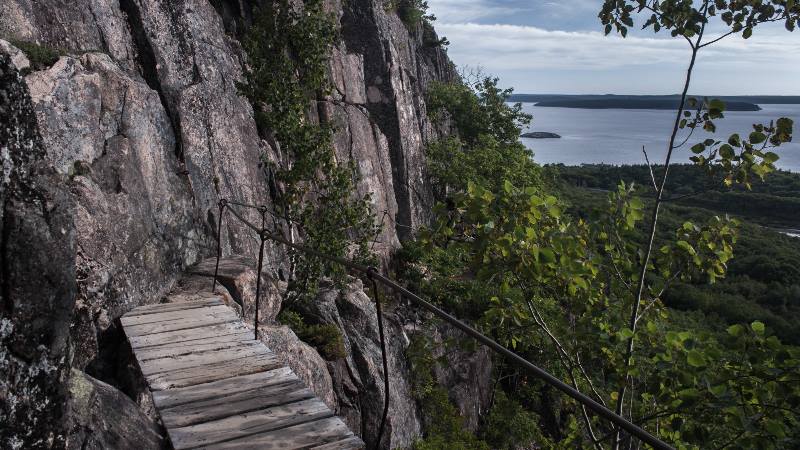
216	387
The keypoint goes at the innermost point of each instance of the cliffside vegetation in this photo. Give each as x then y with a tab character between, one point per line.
580	287
288	49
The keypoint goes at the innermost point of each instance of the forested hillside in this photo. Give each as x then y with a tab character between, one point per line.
763	278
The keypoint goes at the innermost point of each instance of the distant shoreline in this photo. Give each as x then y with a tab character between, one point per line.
653	102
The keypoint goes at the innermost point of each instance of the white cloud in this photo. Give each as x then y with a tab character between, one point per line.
502	47
505	49
462	11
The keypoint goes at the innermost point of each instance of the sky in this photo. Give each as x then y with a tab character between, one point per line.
549	47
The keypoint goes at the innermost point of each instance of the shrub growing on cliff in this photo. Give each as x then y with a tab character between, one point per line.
288	47
40	56
485	147
326	338
413	13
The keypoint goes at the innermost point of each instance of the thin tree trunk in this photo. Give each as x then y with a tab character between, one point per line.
651	237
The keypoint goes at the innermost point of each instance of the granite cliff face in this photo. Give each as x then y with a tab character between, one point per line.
115	159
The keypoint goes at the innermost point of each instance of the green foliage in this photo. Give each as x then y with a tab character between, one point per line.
326	338
762	280
41	56
688	19
413	13
510	426
486	149
574	294
288	48
444	427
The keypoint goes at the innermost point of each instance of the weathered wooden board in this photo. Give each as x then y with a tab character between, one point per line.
350	443
222	388
182	314
174	363
248	424
237	403
167	307
305	435
215	386
197	345
187	335
192	319
213	372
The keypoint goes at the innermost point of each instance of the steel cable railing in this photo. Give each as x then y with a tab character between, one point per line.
374	275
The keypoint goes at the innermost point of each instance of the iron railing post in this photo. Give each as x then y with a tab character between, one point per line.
258	279
222	204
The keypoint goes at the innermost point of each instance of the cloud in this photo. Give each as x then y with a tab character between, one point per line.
463	11
512	47
636	61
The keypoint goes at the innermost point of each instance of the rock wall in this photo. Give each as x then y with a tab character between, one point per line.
115	159
37	277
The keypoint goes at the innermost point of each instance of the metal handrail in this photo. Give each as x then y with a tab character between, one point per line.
373	274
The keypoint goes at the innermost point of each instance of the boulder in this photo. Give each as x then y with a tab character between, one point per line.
237	274
358	380
303	359
38	277
101	417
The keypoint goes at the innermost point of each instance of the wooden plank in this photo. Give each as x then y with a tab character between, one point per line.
213	372
175	306
248	424
193	320
217	387
350	443
194	346
173	316
174	363
222	388
187	335
182	314
234	404
308	434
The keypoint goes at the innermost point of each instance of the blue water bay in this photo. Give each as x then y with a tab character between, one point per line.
616	136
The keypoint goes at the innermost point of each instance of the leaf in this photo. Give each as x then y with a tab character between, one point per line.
757	137
698	148
726	151
747	32
695	358
758	327
771	157
686	246
775	428
626	333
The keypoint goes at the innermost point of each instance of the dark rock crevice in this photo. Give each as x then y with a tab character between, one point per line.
361	34
147	63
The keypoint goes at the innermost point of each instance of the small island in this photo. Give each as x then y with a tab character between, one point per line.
540	135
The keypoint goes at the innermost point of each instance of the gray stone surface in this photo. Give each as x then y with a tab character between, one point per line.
109	138
358	381
77	25
100	417
37	280
304	361
465	371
